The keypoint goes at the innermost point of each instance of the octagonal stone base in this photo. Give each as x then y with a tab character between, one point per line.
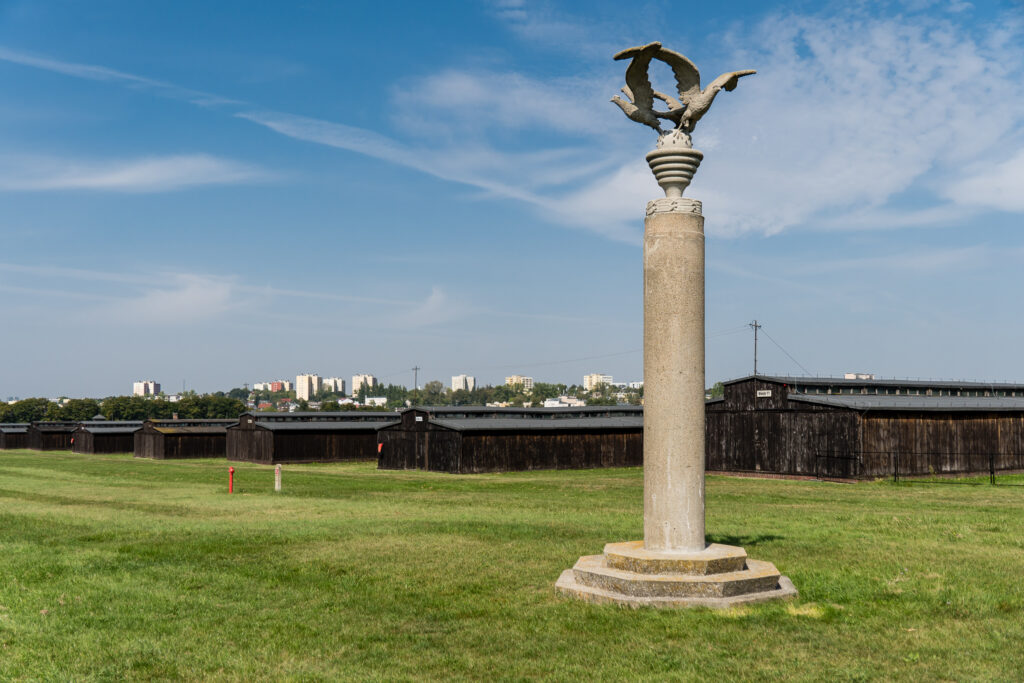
719	576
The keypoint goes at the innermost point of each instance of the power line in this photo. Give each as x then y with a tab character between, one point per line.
806	371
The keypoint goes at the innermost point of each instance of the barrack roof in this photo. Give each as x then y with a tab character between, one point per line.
327	426
915	403
498	424
880	382
516	413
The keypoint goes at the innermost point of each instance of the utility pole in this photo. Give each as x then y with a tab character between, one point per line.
416	377
755	327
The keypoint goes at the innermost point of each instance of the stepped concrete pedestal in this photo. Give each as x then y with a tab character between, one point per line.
719	576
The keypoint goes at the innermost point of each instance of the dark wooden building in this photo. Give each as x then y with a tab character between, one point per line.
865	427
173	439
105	436
51	436
13	435
464	440
270	438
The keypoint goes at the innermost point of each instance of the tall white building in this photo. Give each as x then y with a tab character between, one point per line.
145	388
359	381
308	386
526	382
591	381
335	384
463	383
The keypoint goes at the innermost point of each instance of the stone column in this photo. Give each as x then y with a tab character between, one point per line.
674	376
673	566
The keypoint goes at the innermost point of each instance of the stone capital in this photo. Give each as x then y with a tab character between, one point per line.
673	205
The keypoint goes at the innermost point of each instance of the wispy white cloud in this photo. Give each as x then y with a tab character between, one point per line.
51	272
154	174
850	111
436	309
472	102
167	298
128	298
101	73
997	185
917	261
847	113
521	176
377	146
186	298
543	24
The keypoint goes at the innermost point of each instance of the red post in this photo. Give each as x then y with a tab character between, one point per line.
231	480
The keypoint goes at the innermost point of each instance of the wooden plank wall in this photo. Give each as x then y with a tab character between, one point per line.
160	446
326	446
398	449
422	446
82	442
516	452
148	443
15	440
91	442
49	441
428	447
246	444
943	443
782	442
179	446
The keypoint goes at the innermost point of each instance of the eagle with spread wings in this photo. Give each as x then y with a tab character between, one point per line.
692	102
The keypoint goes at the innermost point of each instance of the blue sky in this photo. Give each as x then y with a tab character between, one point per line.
220	193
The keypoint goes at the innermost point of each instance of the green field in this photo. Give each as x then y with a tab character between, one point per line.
113	569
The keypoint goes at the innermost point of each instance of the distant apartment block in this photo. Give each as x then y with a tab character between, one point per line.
307	386
463	383
376	401
145	388
277	385
360	381
525	382
636	385
564	402
335	384
590	382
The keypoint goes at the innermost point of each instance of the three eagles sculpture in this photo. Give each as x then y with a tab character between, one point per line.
692	102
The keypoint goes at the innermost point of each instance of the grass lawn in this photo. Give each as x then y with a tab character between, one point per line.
113	568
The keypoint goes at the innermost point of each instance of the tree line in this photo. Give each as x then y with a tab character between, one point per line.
190	407
435	393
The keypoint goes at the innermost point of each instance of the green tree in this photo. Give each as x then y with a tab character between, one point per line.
543	390
433	393
80	409
25	410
